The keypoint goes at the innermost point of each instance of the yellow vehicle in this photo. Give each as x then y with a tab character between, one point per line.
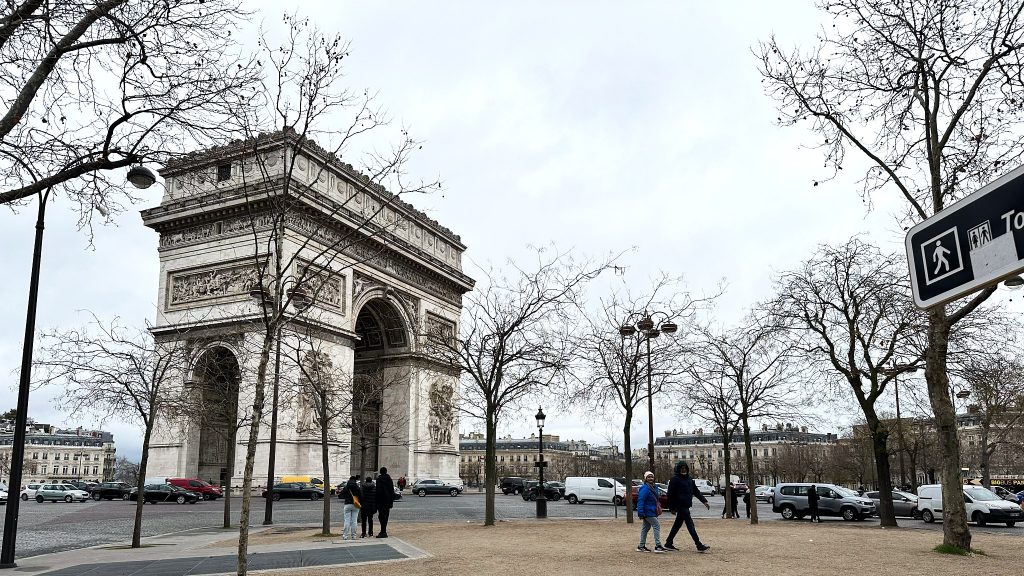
319	483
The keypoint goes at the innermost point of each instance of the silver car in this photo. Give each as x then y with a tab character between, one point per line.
904	503
58	492
791	501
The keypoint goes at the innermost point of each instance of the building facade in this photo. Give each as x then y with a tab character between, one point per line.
516	457
781	452
53	453
258	222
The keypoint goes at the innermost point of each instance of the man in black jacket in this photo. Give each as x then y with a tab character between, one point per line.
369	506
385	498
681	491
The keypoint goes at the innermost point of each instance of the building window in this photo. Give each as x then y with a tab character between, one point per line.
67	456
65	470
42	469
223	172
45	455
95	470
35	455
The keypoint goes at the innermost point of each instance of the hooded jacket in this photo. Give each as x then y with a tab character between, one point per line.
682	489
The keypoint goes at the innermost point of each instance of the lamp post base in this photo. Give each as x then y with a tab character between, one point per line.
542	507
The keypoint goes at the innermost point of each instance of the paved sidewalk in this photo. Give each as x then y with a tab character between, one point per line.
191	553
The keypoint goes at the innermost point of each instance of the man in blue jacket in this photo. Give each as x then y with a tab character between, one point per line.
681	491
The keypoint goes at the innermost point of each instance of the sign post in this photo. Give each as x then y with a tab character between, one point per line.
970	245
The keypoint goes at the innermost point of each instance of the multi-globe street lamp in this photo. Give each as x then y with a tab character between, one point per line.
140	177
542	500
266	298
648	329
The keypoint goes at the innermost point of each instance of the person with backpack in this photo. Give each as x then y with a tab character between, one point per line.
648	509
352	495
369	507
681	492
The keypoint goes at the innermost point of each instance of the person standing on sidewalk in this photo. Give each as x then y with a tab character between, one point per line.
369	506
681	491
647	510
746	502
812	502
352	495
385	499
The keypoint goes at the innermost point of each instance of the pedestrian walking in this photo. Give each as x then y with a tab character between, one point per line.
812	502
731	498
746	502
385	499
352	495
648	508
369	507
401	483
681	491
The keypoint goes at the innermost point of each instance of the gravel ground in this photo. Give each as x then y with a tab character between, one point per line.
599	547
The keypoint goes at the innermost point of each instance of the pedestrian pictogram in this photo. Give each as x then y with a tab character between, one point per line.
942	255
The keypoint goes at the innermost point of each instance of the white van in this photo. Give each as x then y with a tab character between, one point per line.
579	489
983	506
704	487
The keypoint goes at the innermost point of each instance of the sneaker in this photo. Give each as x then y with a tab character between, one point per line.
642	549
659	550
703	548
671	547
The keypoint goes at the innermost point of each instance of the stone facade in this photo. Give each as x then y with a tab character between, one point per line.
377	274
53	453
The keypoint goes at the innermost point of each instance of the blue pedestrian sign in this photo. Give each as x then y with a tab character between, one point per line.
972	244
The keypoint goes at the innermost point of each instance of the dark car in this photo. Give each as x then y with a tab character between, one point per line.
82	484
513	485
156	493
560	486
435	486
111	491
740	488
903	503
550	492
301	490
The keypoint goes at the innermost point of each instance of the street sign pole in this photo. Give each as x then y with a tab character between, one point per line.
970	245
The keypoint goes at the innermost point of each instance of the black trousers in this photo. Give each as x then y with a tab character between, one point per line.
814	512
382	517
683	517
366	520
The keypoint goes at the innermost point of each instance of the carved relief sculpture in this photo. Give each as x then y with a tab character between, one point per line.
227	281
442	413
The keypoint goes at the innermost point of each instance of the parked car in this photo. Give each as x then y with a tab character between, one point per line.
29	491
705	487
582	488
82	484
111	491
791	501
513	485
425	486
764	494
58	492
156	493
662	494
206	490
3	495
904	503
983	506
302	490
532	491
740	488
1004	493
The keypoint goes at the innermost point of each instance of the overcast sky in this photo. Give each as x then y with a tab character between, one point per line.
598	126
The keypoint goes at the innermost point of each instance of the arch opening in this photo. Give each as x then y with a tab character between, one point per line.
218	376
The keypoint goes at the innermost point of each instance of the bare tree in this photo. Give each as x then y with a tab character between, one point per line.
997	390
94	87
929	94
112	371
849	314
759	365
513	340
714	401
126	471
614	367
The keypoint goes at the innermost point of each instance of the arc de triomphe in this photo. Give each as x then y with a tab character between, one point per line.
385	276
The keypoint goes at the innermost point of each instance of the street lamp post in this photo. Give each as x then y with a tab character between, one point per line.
649	329
542	500
896	370
271	305
140	177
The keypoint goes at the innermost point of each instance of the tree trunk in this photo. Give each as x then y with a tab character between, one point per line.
728	476
141	482
748	452
230	471
250	454
629	467
954	516
879	444
912	457
491	474
324	453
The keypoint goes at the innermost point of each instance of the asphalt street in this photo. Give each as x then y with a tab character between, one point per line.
52	527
